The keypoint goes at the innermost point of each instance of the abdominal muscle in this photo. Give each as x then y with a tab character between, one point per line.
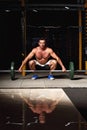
42	61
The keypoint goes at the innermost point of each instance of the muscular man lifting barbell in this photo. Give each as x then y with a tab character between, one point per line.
42	54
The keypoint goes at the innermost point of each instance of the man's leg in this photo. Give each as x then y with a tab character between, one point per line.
32	64
52	65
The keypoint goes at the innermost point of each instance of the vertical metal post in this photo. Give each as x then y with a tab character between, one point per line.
85	36
24	32
85	66
80	40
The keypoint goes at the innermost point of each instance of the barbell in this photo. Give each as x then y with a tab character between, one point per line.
71	70
12	70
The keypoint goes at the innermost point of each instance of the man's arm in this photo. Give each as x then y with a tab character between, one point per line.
28	102
29	56
53	54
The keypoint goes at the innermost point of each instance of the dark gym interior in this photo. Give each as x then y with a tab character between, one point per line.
64	24
57	21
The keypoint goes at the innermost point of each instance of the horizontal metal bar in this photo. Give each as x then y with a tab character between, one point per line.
54	9
59	70
38	71
54	5
13	123
80	71
5	71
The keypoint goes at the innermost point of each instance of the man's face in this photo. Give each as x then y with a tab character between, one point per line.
42	44
42	118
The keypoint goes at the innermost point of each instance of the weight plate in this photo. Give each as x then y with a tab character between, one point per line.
71	68
12	71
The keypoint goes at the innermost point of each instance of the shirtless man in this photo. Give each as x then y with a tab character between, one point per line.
42	54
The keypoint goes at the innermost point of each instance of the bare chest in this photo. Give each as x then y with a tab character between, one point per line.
42	54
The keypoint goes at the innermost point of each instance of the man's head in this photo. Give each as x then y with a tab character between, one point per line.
42	118
42	43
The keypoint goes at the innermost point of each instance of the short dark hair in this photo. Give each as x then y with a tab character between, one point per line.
42	38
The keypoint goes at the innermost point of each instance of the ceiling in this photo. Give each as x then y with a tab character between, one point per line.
46	11
46	4
43	2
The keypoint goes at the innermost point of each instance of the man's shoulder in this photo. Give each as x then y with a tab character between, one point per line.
49	49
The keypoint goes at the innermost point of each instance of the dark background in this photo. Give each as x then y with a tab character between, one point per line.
59	26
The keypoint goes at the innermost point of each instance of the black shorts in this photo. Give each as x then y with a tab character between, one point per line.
45	67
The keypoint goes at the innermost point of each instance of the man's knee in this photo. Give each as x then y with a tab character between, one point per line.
31	62
53	64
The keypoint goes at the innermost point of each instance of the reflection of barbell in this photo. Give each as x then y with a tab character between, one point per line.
71	71
74	122
22	123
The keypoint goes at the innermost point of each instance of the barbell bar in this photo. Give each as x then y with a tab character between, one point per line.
44	71
38	71
71	71
12	71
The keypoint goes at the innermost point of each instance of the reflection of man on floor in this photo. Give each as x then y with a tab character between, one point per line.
42	105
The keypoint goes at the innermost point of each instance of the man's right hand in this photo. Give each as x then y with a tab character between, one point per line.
20	69
63	69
